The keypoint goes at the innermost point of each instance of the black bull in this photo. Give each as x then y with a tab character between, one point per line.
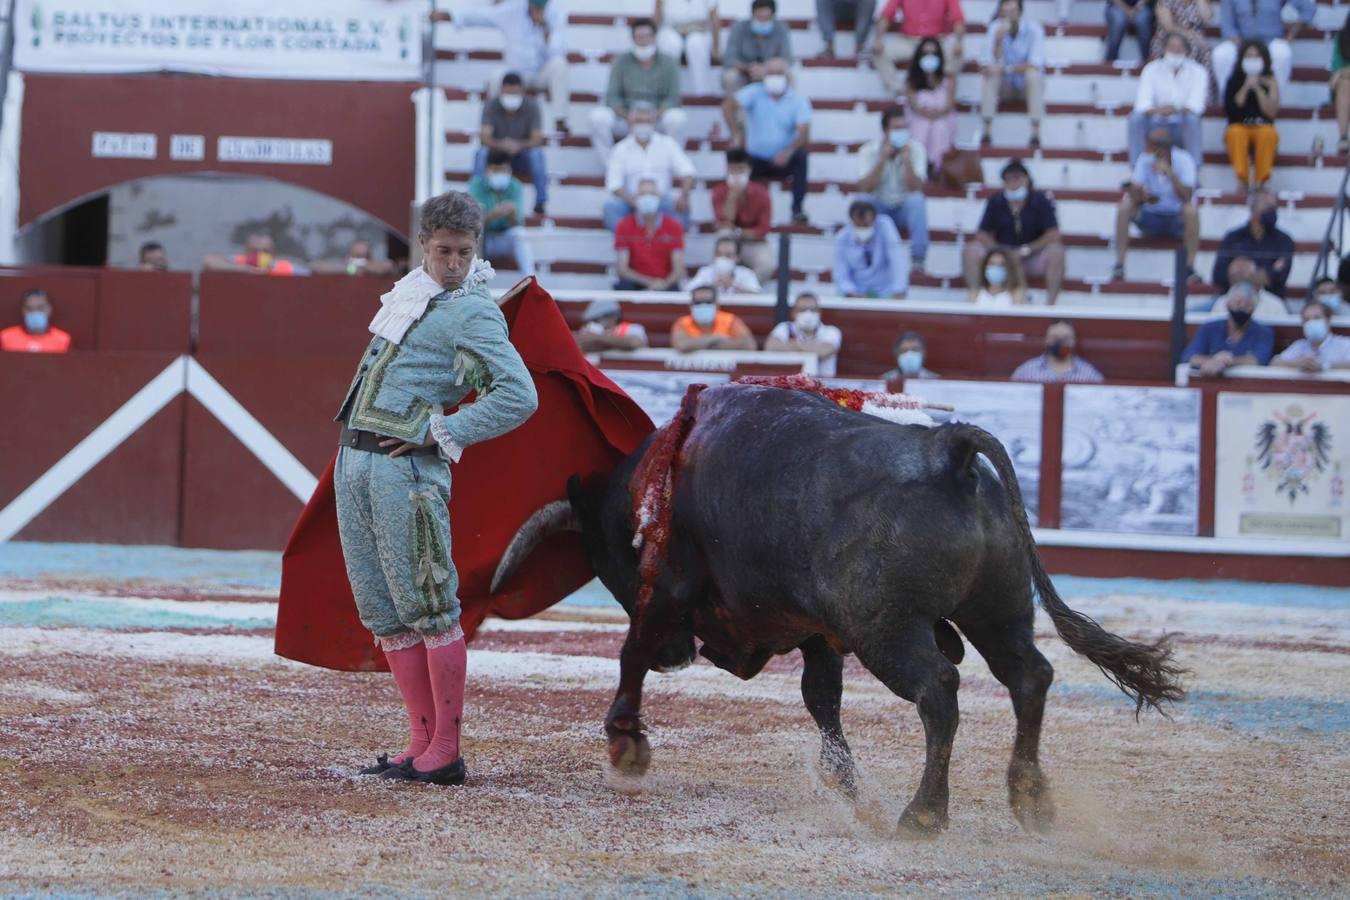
799	525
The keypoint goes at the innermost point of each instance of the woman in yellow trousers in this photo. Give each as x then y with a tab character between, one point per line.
1252	100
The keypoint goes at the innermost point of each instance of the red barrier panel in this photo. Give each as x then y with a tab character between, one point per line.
107	309
321	314
52	403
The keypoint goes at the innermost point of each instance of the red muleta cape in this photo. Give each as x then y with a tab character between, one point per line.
585	424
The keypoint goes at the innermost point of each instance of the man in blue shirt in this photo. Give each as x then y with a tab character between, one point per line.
1258	20
1260	241
773	122
1013	66
1159	200
868	260
1238	340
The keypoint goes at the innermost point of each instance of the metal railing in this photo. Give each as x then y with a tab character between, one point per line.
1333	242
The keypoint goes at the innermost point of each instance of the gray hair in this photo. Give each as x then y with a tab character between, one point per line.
454	211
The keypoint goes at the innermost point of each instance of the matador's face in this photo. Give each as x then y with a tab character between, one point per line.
447	256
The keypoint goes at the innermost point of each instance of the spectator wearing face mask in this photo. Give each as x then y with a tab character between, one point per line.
258	258
649	245
152	257
1319	349
1328	293
1261	21
1059	362
742	210
1242	274
909	350
500	195
1238	340
724	273
1022	220
1260	241
1013	68
1251	101
775	130
1189	18
603	328
642	75
1127	15
868	258
1001	281
805	333
36	334
931	93
751	44
1158	201
1172	94
694	28
892	171
513	123
647	155
920	21
709	328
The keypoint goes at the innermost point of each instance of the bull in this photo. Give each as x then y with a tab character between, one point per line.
796	524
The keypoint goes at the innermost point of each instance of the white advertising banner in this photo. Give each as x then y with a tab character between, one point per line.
349	40
1281	466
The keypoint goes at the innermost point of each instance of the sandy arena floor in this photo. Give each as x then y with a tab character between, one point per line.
156	746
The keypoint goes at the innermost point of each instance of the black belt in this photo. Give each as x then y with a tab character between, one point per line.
369	441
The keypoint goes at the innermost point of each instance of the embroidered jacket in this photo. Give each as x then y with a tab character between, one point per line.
460	344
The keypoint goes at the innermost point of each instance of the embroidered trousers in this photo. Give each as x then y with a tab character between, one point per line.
395	531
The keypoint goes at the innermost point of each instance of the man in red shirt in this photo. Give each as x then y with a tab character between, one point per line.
742	210
941	19
650	245
35	335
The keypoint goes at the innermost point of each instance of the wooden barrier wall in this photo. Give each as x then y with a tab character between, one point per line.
107	309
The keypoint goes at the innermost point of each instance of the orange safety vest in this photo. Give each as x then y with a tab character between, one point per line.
16	339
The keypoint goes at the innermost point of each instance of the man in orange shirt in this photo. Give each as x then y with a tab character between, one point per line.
709	328
258	257
35	335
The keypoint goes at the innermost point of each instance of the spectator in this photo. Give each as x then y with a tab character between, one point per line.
513	123
650	245
860	11
1128	15
358	261
742	209
1340	85
1022	220
1260	21
724	273
153	258
920	19
642	75
807	334
1242	277
1059	362
36	334
775	131
709	328
1158	201
1318	349
751	44
257	258
500	195
1260	241
603	328
1251	101
646	155
1238	340
868	259
1189	17
891	171
1328	293
694	27
535	36
1172	94
931	94
1001	280
909	350
1013	66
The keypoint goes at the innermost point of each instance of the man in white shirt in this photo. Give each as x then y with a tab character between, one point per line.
724	273
1173	90
535	33
807	334
646	155
1318	349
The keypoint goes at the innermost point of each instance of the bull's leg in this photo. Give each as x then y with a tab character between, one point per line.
909	662
822	688
629	751
1012	656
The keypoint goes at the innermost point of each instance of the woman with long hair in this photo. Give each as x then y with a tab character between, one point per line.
1001	280
1251	100
931	93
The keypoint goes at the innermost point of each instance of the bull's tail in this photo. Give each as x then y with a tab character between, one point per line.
1145	672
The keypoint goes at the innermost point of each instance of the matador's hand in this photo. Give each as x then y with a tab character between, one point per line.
407	448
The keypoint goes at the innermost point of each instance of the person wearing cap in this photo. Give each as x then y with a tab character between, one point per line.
724	273
603	328
1022	220
709	328
806	333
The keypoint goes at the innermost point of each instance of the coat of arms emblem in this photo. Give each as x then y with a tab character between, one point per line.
1293	449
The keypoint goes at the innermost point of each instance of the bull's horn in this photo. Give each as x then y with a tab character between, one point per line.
556	517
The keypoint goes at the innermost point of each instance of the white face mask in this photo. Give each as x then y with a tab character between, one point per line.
808	320
724	265
775	84
499	181
738	181
512	102
647	204
910	362
864	232
704	313
929	62
1253	66
644	53
643	131
1174	59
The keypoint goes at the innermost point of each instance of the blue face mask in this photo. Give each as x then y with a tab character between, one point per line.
763	29
1316	330
704	313
911	362
899	137
1331	301
996	274
1016	195
499	181
648	204
35	321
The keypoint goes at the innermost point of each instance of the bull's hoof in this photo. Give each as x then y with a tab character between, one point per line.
630	754
920	822
1029	797
838	772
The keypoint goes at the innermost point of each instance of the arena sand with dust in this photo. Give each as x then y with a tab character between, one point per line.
152	743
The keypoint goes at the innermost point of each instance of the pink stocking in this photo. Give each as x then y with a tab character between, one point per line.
446	664
409	665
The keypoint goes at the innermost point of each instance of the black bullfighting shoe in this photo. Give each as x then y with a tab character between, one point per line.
382	765
447	775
